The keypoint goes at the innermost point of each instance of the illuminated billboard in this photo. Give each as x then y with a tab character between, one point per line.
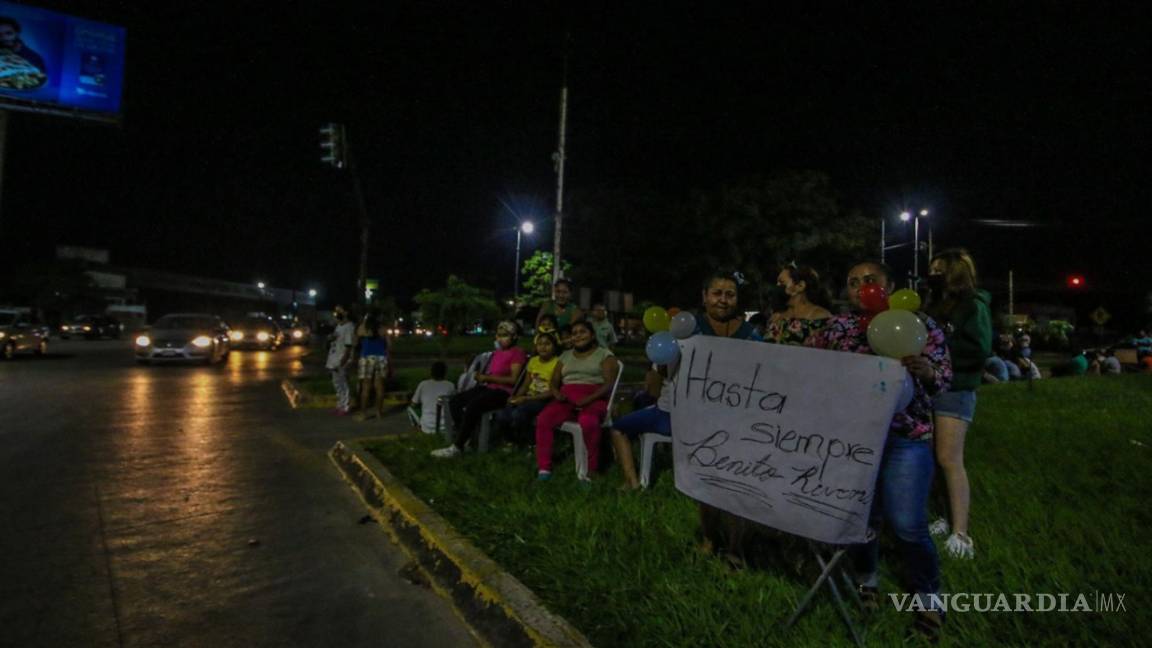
52	62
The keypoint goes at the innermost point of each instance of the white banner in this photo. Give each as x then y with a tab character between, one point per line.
786	436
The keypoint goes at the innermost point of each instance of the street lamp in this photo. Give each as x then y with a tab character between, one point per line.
260	285
525	228
915	218
312	293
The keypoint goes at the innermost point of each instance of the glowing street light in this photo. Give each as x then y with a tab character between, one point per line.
260	285
312	293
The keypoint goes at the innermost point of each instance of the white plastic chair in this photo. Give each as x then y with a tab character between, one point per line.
579	451
648	442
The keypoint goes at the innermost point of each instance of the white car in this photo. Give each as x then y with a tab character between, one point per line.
178	337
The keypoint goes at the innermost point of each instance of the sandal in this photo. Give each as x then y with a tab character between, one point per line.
928	626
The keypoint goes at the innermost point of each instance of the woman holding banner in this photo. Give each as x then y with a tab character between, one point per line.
799	306
905	477
962	310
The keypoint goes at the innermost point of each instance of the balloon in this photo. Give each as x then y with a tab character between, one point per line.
873	298
656	319
662	348
897	333
683	325
672	311
904	299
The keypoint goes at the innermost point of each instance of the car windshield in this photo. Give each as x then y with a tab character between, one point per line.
7	319
184	322
82	319
257	322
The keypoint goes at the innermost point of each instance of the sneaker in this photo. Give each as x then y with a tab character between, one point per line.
939	527
340	411
959	545
446	453
544	475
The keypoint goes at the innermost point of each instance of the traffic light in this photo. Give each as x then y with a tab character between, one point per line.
332	146
1075	281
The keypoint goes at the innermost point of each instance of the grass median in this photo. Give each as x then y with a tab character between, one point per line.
1060	475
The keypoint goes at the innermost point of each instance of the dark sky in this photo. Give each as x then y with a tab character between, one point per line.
1035	113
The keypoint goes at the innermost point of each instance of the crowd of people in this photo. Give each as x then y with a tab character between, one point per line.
571	373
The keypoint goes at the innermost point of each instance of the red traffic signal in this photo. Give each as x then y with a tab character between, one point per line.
1075	281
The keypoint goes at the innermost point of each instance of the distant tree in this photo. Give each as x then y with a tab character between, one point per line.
536	287
455	306
763	222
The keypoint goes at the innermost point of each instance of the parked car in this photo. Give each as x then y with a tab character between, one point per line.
92	327
257	332
20	331
183	337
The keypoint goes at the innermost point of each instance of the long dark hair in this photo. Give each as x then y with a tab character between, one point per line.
372	325
959	282
814	288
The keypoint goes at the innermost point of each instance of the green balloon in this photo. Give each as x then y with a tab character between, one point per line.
656	319
896	334
904	299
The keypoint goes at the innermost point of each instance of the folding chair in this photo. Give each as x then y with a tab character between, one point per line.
579	451
828	566
648	442
467	380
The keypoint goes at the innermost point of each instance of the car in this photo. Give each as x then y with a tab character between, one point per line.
20	331
92	327
184	337
257	332
297	332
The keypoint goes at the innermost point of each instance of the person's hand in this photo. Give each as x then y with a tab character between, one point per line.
920	368
559	396
515	400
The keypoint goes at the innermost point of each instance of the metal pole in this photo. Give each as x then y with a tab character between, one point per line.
3	142
883	240
1011	295
362	281
915	251
556	265
516	273
929	243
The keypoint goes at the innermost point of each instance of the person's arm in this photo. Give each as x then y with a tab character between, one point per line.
349	339
971	343
416	394
557	382
613	340
653	382
609	367
933	367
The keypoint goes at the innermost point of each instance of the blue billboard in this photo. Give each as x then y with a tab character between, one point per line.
52	62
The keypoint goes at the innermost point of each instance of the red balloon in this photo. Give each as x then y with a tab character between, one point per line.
873	298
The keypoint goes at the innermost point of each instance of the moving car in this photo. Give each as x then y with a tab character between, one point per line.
19	331
92	327
183	337
257	332
297	332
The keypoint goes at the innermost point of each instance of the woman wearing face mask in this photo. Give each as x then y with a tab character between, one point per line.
962	310
494	386
799	306
581	382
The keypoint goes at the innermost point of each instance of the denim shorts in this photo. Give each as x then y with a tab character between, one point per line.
956	404
649	419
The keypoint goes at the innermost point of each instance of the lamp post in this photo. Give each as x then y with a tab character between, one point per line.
525	228
915	218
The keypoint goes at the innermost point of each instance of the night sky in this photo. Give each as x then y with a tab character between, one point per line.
996	112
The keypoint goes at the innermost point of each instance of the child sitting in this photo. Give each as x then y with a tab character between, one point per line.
428	392
519	418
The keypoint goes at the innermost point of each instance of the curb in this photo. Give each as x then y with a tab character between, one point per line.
497	606
300	398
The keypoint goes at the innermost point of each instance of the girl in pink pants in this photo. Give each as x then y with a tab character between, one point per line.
557	412
581	383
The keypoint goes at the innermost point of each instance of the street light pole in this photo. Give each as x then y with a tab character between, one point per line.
883	238
525	228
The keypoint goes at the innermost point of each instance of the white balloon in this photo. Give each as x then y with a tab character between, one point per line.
683	325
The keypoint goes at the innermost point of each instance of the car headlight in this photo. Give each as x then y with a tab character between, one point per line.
143	341
262	336
297	334
236	335
2	335
87	328
65	327
203	342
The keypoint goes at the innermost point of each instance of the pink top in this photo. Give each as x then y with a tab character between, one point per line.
501	365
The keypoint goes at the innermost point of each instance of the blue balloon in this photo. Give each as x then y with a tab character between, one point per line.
662	348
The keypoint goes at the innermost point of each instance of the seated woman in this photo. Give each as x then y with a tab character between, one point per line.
799	306
535	390
654	418
581	382
493	388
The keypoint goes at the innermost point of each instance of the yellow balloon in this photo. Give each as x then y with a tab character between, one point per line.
656	319
904	299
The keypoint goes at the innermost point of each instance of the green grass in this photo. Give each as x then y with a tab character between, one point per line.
1059	505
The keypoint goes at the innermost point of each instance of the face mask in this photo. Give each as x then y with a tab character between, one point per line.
778	298
339	317
934	282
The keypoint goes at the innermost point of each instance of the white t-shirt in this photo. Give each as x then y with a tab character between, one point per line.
342	338
427	393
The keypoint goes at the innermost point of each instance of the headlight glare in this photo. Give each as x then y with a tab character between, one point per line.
203	342
262	336
143	341
237	335
297	334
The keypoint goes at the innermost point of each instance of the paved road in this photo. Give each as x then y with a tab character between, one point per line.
188	506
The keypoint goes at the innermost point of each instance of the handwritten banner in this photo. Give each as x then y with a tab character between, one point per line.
786	436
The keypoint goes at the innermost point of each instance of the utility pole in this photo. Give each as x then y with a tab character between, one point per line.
559	158
3	145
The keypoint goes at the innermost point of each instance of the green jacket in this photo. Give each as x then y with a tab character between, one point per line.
969	335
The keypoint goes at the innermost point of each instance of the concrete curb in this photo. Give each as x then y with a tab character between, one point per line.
300	398
498	607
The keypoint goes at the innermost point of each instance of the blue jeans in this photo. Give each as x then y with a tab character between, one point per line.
519	422
902	503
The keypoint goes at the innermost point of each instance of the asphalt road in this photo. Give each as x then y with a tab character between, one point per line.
188	506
